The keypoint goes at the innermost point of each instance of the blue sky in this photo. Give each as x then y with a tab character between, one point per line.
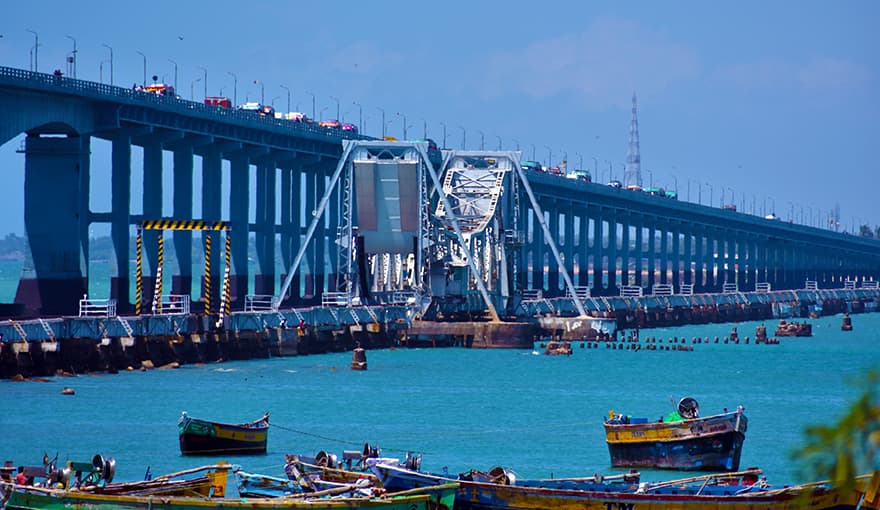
769	101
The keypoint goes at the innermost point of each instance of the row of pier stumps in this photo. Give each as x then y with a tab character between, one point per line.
633	342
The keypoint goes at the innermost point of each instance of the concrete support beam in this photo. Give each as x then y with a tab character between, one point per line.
56	221
120	211
182	195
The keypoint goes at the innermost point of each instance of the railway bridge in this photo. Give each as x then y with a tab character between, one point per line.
342	219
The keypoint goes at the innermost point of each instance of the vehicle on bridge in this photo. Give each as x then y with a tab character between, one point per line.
729	207
347	126
262	109
532	165
615	184
330	124
634	187
161	89
672	195
219	101
580	175
655	192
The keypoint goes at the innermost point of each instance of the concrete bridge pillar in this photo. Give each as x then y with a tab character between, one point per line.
664	251
264	280
613	265
699	258
152	210
598	251
676	256
55	216
212	178
120	219
568	249
239	199
742	275
552	210
583	249
291	225
181	282
688	254
626	257
652	254
639	224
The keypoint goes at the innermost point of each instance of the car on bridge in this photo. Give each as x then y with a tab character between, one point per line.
262	109
330	124
347	126
615	184
532	165
580	175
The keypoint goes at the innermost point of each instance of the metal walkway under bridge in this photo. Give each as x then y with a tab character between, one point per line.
342	222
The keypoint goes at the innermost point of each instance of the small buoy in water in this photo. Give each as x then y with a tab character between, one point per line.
68	391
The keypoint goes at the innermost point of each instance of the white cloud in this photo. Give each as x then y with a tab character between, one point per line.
821	76
609	56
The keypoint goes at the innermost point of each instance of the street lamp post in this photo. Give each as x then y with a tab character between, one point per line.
402	116
360	116
580	160
499	142
36	50
313	103
463	137
111	61
424	129
205	75
517	143
192	88
650	178
144	83
337	107
596	168
711	193
175	73
286	88
533	152
482	140
262	91
444	134
234	87
549	156
101	71
72	56
383	120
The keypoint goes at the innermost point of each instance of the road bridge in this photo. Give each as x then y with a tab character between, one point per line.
521	236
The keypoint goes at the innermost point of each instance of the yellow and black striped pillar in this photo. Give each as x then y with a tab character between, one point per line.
157	294
139	275
207	285
226	275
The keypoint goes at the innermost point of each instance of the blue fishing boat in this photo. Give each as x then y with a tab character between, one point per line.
682	440
500	489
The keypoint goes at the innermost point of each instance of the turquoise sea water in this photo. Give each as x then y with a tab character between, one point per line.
540	415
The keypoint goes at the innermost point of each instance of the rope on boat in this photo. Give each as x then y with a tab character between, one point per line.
325	438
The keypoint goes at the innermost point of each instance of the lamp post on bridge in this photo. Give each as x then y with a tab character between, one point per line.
72	59
482	140
36	49
192	85
205	75
313	103
383	121
444	134
360	116
533	152
549	157
262	91
101	70
234	88
175	73
287	89
499	142
111	61
711	193
337	107
596	167
517	143
463	137
144	83
610	170
650	178
404	124
424	129
580	160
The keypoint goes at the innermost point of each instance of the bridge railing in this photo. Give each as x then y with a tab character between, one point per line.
103	91
686	289
580	291
336	299
260	303
871	285
172	304
729	288
97	307
661	289
849	284
762	287
532	295
813	285
631	291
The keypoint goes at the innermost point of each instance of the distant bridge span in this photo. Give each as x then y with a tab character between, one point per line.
608	238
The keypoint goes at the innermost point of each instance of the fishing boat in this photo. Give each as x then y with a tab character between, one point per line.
200	437
682	440
744	490
38	498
